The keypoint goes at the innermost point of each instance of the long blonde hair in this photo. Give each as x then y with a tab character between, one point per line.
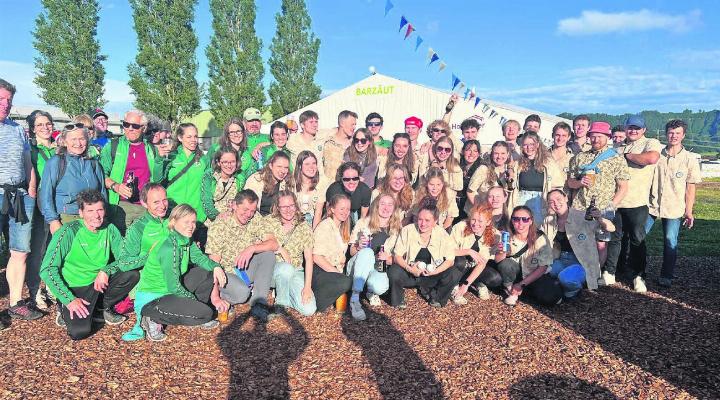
395	222
345	225
540	158
404	199
179	212
451	164
443	201
267	175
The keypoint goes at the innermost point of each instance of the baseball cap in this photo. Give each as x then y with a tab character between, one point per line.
635	120
600	127
251	114
97	112
415	121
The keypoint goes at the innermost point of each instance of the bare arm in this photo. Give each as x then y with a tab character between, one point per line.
644	158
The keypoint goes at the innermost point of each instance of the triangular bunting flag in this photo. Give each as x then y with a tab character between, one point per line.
410	30
388	7
467	92
430	52
493	114
485	108
503	120
418	42
434	58
442	66
403	22
462	85
477	101
455	81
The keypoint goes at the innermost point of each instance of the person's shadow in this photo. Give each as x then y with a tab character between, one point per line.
551	386
398	371
259	359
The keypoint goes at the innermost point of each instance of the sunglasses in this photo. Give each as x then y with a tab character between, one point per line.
523	219
436	130
444	149
71	127
353	179
360	140
127	125
371	124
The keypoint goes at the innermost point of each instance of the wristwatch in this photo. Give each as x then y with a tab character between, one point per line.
465	282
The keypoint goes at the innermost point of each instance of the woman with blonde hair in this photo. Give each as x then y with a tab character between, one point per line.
362	151
497	170
397	184
309	187
400	152
441	157
433	186
269	181
219	185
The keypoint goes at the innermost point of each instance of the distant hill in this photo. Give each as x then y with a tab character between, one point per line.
703	126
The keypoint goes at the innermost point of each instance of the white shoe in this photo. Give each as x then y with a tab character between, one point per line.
40	300
608	278
374	300
639	285
457	300
483	293
511	300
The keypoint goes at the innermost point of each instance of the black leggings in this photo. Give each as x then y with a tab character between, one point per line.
437	287
119	285
545	290
176	310
489	276
328	286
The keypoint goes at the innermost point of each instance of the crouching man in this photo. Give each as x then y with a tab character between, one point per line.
75	269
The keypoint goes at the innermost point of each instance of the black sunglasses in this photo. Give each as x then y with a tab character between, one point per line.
444	149
436	130
353	179
523	219
360	140
369	124
126	125
78	125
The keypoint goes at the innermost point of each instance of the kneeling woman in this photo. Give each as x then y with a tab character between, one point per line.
475	240
330	244
574	246
293	283
526	265
424	255
370	241
169	291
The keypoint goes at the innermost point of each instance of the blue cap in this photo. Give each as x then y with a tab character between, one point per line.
635	120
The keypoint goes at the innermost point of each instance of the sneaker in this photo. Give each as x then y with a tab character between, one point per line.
153	330
112	318
639	285
4	324
261	313
665	282
483	292
59	320
374	300
41	300
435	304
457	300
608	278
357	311
511	300
22	311
212	324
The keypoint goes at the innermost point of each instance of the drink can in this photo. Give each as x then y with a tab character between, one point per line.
505	239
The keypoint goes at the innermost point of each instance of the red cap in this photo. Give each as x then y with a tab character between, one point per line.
415	121
600	127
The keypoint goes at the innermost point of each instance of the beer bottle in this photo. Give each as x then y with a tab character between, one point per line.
590	209
132	183
381	265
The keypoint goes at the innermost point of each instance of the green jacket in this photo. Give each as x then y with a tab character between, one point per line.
75	255
145	233
115	168
207	193
39	155
168	262
187	188
250	165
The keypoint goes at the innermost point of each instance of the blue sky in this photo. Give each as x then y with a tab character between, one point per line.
577	56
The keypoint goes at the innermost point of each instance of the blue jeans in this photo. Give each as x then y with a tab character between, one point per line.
671	231
569	272
534	201
289	283
19	234
362	268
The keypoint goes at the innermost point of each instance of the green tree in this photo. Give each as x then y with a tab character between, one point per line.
235	67
293	62
163	74
69	66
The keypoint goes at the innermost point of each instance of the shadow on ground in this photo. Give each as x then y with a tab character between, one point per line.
551	386
398	370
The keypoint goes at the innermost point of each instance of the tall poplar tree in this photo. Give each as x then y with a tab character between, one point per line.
163	74
69	66
235	67
293	62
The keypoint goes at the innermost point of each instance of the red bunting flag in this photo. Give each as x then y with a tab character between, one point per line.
410	30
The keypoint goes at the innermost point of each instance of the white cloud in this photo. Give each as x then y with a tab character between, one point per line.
117	93
592	22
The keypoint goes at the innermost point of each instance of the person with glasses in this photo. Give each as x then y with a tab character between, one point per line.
397	184
102	134
497	170
433	186
278	142
269	181
294	256
233	137
308	139
65	175
423	257
220	185
374	124
363	153
128	162
310	187
42	148
524	266
93	151
401	152
441	157
17	195
536	174
348	183
436	130
77	269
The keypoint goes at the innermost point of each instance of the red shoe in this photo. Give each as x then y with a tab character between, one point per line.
124	307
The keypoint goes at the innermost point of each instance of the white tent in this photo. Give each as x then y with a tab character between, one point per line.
396	100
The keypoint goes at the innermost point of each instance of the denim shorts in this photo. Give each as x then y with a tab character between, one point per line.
19	239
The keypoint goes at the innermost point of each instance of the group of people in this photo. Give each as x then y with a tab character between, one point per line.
149	222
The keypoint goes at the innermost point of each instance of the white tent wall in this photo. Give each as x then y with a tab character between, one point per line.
396	100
